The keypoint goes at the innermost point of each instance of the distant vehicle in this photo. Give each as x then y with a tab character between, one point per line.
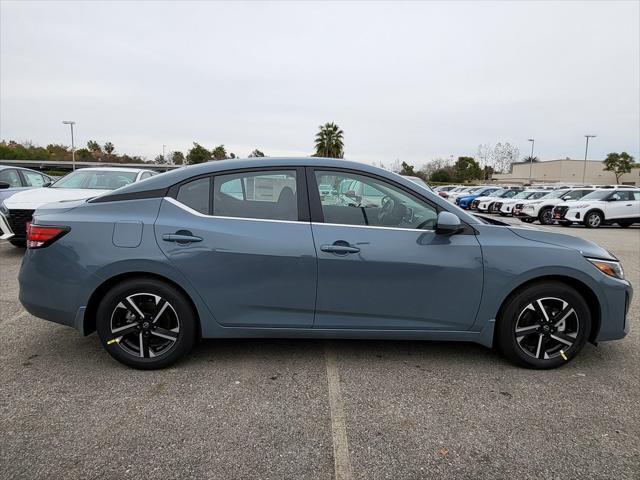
17	210
542	209
505	207
418	180
326	189
601	207
157	265
484	203
18	179
453	191
466	200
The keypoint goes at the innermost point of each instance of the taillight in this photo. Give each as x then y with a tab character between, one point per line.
39	236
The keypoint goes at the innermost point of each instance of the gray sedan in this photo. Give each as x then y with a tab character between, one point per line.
251	248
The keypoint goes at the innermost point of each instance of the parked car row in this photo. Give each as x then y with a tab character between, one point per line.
591	206
29	190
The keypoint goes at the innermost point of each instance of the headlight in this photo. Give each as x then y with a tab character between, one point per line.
582	205
535	203
608	267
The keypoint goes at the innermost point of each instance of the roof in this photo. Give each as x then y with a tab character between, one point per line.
112	169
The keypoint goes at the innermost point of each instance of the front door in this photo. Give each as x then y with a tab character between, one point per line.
243	241
381	264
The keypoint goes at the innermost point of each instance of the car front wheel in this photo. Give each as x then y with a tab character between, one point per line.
145	323
593	220
545	216
543	326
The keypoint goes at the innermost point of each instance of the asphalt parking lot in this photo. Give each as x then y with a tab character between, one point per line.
313	409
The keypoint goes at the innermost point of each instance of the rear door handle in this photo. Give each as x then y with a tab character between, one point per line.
181	237
339	248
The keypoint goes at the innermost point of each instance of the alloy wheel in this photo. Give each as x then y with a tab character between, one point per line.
145	325
594	220
547	328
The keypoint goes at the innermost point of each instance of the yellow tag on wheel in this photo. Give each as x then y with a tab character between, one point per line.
117	340
563	355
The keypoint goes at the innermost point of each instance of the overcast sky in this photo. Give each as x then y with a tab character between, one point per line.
412	81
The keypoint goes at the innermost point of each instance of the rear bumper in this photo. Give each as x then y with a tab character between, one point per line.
55	287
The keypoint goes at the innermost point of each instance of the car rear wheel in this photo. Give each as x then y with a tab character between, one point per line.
593	220
545	216
543	326
145	323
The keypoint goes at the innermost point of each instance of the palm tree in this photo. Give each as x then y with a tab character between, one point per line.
329	141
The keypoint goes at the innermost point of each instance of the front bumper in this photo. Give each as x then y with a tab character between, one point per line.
614	323
5	228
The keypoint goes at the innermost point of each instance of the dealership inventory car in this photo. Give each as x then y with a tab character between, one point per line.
601	207
464	201
156	265
17	179
507	206
542	209
485	203
17	210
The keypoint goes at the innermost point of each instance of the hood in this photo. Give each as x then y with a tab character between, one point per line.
585	247
486	197
32	199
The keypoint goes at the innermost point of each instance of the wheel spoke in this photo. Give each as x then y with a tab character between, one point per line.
162	306
561	316
524	331
166	334
144	346
539	348
561	337
135	307
125	329
540	310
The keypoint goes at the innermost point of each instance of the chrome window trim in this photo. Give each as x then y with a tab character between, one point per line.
204	215
190	210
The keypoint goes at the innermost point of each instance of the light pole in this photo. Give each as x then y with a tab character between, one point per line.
164	159
586	149
71	123
533	142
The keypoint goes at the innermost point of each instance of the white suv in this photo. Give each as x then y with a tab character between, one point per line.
541	209
620	205
511	206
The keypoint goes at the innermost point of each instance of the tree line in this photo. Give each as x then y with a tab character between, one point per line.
328	142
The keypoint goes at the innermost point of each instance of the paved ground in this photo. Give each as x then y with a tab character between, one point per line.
288	409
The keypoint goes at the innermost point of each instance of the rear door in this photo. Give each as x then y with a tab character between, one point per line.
381	265
622	204
244	241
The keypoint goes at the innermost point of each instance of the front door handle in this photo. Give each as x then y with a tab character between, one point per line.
181	236
339	248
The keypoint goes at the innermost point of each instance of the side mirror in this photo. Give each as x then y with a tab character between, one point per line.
612	199
448	224
47	184
4	185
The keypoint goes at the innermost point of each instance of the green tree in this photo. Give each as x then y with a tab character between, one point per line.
256	153
160	160
83	154
219	153
619	164
466	168
441	175
198	154
58	152
109	148
530	159
330	141
177	158
407	170
94	146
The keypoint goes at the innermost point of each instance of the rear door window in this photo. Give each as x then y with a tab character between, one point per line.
33	179
267	195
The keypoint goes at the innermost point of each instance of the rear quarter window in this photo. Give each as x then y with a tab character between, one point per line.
195	195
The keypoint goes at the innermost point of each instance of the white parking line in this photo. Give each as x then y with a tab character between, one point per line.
338	426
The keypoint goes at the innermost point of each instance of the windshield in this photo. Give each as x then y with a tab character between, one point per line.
96	180
556	194
597	195
536	195
523	195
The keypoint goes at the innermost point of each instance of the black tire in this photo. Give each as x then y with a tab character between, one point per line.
545	217
163	341
625	224
18	243
526	220
593	219
543	347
